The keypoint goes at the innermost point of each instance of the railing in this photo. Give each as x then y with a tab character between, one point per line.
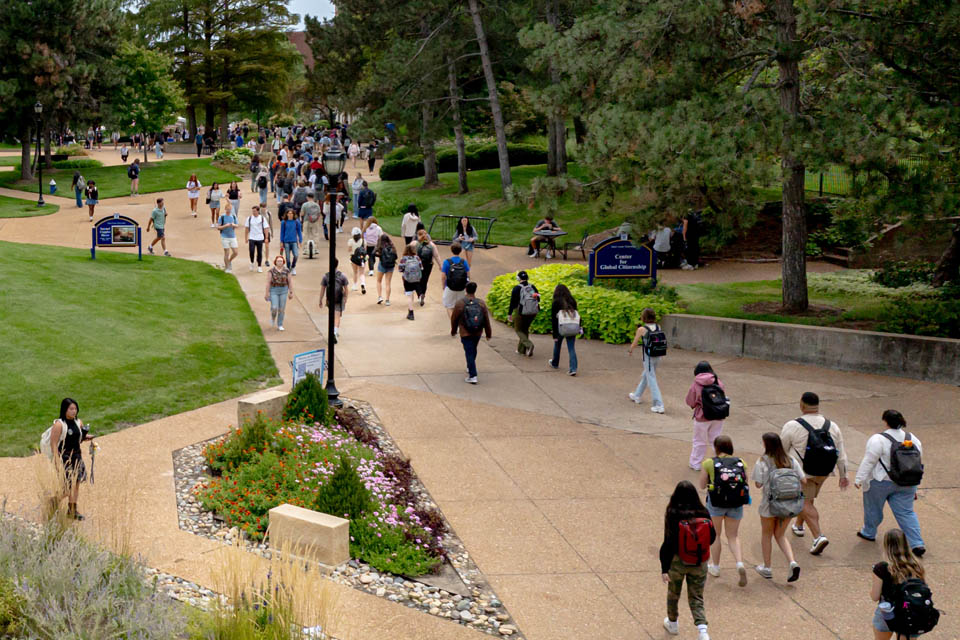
444	227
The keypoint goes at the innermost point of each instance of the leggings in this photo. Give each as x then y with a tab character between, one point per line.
371	259
424	279
256	247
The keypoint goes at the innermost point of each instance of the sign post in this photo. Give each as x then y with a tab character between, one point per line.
309	362
618	258
116	231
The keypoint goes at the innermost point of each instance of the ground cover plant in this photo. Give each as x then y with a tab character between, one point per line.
113	181
607	313
17	208
131	341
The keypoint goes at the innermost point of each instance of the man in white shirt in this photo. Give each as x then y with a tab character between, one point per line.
879	488
795	436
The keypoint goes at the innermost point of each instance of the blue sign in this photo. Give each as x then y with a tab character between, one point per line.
116	231
619	258
309	362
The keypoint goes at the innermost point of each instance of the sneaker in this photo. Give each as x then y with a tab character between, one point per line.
530	352
765	572
742	570
410	314
293	271
571	373
863	537
251	266
531	253
150	249
703	635
259	269
687	267
794	572
379	300
549	255
713	570
695	467
386	303
672	626
213	225
471	380
280	328
552	366
371	273
353	288
634	397
798	531
819	544
363	290
228	270
658	409
166	253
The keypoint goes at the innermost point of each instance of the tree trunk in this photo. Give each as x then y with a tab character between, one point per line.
556	127
26	173
505	180
430	177
457	127
209	122
948	266
143	137
224	123
794	268
551	146
188	74
560	136
47	152
579	129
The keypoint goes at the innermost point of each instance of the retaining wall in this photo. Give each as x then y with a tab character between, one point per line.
891	354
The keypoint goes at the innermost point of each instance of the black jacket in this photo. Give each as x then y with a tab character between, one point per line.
671	539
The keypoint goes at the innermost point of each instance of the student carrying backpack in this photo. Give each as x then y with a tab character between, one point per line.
262	182
472	315
905	602
707	397
529	300
457	275
388	257
821	454
906	465
781	478
730	488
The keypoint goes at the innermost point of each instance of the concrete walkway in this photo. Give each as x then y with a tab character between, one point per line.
556	485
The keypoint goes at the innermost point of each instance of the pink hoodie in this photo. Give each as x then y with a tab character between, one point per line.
696	391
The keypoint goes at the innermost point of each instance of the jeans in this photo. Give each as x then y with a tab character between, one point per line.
356	204
263	197
79	193
470	344
649	378
253	182
901	503
571	347
273	177
696	578
278	303
291	252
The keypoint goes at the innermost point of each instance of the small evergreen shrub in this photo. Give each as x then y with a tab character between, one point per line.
241	446
934	318
407	162
76	163
344	495
308	402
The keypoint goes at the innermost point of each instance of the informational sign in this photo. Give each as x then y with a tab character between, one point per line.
619	258
314	362
116	231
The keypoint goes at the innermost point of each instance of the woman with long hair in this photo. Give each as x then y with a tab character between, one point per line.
234	195
648	324
93	197
68	432
387	254
566	325
279	290
213	199
411	270
774	527
371	237
687	512
715	471
467	236
358	255
193	193
429	256
901	565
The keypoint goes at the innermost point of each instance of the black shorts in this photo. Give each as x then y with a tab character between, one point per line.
411	287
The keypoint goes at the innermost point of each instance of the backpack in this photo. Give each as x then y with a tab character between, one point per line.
529	300
358	255
367	198
821	452
655	343
412	271
784	493
730	487
262	182
388	257
714	402
472	316
693	541
457	276
913	610
906	467
46	447
425	251
568	323
131	172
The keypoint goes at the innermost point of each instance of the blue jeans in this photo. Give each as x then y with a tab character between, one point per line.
571	347
273	177
263	197
79	193
291	252
470	344
901	503
278	303
649	378
356	205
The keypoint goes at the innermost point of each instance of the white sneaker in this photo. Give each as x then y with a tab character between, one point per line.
280	328
703	635
353	288
259	269
386	303
766	572
819	544
657	409
713	570
213	225
742	571
549	255
228	270
251	266
371	273
794	572
471	380
672	627
293	271
633	397
798	531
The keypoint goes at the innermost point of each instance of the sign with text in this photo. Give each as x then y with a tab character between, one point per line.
309	362
619	258
115	231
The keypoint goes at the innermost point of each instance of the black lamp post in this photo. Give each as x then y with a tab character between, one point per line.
38	110
334	160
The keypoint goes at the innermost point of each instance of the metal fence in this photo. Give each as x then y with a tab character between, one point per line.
839	181
443	228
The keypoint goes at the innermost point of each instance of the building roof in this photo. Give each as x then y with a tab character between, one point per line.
299	40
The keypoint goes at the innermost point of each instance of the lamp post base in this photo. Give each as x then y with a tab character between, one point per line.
333	396
40	202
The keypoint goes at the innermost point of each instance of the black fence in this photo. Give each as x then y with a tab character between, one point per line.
443	228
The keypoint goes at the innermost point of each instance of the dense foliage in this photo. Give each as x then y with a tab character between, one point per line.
607	314
308	401
865	282
903	273
406	163
241	156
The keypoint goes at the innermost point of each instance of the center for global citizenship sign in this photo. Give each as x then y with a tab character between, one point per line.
619	258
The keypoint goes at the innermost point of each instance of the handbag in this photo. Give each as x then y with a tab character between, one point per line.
208	198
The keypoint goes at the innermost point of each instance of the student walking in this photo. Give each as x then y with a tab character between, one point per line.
471	319
653	345
707	397
124	152
198	141
726	480
291	235
411	270
358	255
68	431
365	200
371	237
78	185
158	147
408	227
227	224
467	236
688	533
781	478
311	215
234	195
254	172
93	197
565	325
340	284
158	220
901	572
213	199
890	471
256	234
133	172
817	444
454	276
279	290
429	256
355	188
193	193
263	181
387	253
525	300
354	152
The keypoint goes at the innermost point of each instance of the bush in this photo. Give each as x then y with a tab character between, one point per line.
903	273
407	162
607	314
308	402
281	120
72	149
241	156
344	495
76	163
12	606
934	318
240	446
863	282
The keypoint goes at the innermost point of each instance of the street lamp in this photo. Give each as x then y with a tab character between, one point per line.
38	110
334	160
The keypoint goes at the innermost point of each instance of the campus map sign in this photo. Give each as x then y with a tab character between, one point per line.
619	258
309	362
116	231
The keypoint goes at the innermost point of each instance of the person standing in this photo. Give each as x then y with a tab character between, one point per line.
355	188
466	235
884	481
817	444
471	319
158	146
234	195
78	185
93	197
387	254
133	172
358	255
691	238
411	270
565	325
354	152
408	226
256	233
726	479
70	461
371	236
429	256
781	478
645	330
706	427
686	520
227	224
115	136
193	193
339	296
254	172
198	141
158	219
454	276
291	235
372	155
279	290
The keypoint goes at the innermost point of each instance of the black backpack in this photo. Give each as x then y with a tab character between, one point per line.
714	401
388	257
913	610
906	467
472	316
457	276
821	454
730	487
425	251
131	172
358	255
655	343
262	182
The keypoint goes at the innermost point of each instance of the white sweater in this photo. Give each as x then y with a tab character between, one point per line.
878	450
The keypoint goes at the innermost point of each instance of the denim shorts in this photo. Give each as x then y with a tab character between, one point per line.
734	513
383	269
159	231
878	622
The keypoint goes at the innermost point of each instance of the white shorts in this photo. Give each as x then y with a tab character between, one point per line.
450	298
228	243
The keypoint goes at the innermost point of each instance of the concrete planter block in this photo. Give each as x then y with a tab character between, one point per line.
270	403
310	534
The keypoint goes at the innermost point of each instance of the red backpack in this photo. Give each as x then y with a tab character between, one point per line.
693	544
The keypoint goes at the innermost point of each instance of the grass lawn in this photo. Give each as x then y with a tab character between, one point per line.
9	161
16	208
113	181
130	341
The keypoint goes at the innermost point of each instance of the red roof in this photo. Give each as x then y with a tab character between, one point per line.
299	40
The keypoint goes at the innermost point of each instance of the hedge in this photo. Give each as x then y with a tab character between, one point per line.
241	156
607	314
407	162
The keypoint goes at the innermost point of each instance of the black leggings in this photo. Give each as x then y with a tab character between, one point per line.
422	285
256	246
371	259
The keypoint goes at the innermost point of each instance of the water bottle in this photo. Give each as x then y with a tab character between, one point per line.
886	610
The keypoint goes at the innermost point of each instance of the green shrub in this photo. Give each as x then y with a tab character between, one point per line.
345	495
391	550
934	318
607	314
903	273
241	446
12	605
76	163
72	149
241	156
281	120
407	162
862	282
308	401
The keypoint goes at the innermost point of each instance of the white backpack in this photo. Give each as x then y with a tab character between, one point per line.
568	323
46	448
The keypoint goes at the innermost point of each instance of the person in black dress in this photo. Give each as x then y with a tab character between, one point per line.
69	449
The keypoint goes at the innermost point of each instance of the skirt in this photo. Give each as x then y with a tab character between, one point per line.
91	202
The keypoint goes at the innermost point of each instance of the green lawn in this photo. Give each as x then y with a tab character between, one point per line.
16	208
130	341
9	161
113	181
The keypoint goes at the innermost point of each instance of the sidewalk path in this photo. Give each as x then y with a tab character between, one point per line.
556	485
